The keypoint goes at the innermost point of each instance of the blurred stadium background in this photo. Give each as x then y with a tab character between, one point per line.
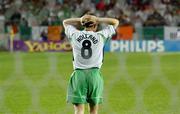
142	61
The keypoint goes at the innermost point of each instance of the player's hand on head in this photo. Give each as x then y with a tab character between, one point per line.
89	18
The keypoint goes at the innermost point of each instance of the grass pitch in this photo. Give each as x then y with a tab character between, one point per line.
136	83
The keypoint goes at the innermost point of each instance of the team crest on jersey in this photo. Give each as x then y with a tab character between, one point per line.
87	36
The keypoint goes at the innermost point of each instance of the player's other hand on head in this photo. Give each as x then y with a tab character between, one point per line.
88	18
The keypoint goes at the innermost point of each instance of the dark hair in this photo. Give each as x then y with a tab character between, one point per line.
88	24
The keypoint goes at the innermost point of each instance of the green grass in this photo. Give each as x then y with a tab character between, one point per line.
136	83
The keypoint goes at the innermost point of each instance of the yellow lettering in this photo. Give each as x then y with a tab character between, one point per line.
57	46
40	47
31	46
48	46
67	46
51	46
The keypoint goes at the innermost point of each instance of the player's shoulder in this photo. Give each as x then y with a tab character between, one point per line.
70	27
107	28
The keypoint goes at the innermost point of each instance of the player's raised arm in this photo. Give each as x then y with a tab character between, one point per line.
111	21
72	21
71	26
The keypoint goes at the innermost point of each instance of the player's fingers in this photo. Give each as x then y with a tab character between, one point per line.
89	18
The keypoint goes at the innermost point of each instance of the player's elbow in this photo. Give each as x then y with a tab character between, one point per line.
64	23
116	23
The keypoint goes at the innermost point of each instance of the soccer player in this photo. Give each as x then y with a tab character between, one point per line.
86	82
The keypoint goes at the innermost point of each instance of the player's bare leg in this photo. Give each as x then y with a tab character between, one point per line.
93	109
79	108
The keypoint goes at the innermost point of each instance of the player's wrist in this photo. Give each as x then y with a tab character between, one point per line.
101	19
78	19
98	19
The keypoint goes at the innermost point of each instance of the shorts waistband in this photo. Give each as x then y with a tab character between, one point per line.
86	68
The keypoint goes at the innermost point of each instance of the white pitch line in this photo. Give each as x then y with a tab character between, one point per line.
173	89
124	75
18	64
53	63
1	94
158	74
30	85
34	89
153	75
6	84
155	72
139	101
111	83
53	72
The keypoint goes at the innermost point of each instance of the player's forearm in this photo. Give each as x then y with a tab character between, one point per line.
110	21
71	21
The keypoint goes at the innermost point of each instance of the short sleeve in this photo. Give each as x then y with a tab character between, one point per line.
107	32
70	31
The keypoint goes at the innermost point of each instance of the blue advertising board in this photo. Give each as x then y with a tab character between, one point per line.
143	46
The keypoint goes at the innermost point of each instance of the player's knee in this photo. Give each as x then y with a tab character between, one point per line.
79	112
79	109
93	109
